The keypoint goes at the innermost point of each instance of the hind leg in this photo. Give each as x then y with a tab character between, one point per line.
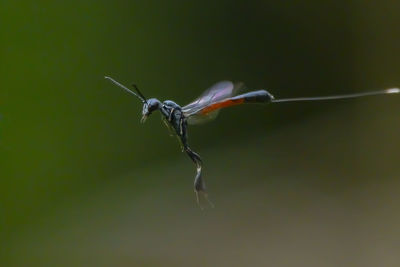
199	185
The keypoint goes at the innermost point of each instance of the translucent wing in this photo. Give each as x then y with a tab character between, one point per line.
216	93
199	118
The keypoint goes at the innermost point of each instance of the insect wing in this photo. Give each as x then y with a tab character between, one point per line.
199	118
216	93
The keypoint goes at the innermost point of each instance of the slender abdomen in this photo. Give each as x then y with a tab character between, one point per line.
260	96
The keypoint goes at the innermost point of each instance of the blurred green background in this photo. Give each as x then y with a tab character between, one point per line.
82	183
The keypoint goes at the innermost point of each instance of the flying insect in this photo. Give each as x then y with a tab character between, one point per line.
206	107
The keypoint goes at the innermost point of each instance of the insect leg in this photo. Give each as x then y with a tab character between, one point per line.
180	143
170	114
170	129
199	185
181	125
183	133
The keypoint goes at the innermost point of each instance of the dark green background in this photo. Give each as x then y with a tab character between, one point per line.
82	183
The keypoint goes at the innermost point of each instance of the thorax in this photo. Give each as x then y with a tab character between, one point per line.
173	113
174	116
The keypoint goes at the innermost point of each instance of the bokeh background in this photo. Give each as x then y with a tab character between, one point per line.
82	183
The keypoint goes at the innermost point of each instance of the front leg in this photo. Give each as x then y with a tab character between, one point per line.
170	128
181	125
170	114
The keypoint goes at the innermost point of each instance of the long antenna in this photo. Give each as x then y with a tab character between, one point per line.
126	89
318	98
140	93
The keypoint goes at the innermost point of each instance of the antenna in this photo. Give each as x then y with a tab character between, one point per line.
140	93
140	96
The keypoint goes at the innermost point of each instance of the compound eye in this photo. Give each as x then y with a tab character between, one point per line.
151	107
145	109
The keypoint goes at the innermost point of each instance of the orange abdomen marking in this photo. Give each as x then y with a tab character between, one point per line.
260	96
223	104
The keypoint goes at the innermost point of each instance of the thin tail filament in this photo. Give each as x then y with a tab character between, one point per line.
332	97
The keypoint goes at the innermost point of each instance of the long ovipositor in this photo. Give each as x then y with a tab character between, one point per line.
260	96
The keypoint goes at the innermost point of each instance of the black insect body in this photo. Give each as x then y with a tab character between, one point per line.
207	106
175	119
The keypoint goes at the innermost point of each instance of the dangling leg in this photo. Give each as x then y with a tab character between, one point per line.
199	185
